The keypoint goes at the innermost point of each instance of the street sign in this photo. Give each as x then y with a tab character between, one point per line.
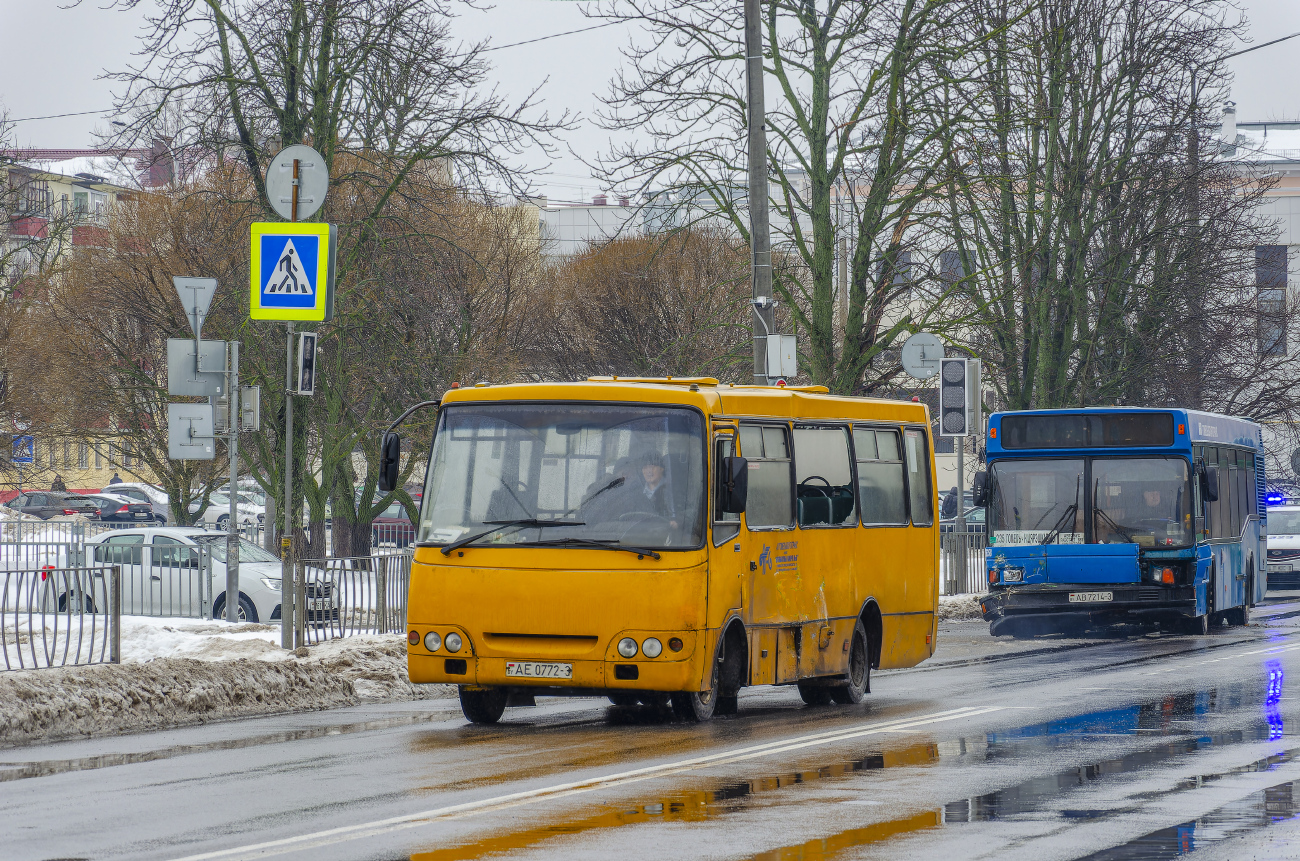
207	380
953	400
306	363
292	268
196	298
189	432
24	450
921	354
313	181
1295	461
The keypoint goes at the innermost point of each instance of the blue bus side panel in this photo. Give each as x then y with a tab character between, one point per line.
1071	563
1234	563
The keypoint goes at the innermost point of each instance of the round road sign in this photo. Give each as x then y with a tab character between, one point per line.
1295	461
921	355
313	181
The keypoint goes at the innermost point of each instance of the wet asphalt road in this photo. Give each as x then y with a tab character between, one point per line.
1121	747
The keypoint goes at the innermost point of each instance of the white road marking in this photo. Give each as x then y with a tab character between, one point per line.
1271	650
563	790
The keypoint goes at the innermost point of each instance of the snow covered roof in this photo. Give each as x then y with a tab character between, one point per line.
1268	142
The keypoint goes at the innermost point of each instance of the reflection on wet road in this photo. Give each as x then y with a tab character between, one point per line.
1138	747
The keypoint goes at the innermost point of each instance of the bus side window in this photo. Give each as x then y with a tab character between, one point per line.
1241	494
726	525
920	496
771	484
1252	492
880	477
824	477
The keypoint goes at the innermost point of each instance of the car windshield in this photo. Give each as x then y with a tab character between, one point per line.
1144	501
1284	521
619	473
248	551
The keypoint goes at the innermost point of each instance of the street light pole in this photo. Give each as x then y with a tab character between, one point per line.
764	318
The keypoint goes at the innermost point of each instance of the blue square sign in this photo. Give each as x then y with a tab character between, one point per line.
292	269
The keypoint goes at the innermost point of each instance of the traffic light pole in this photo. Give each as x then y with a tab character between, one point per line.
287	590
232	527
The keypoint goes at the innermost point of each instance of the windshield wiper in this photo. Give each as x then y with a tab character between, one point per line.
498	525
1070	511
1102	513
606	543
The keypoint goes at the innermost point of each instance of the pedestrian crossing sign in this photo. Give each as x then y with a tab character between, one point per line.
292	269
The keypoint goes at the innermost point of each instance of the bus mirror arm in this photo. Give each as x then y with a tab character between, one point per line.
390	450
980	489
1209	476
734	487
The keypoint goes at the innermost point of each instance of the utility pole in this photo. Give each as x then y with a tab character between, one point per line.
287	590
232	527
764	321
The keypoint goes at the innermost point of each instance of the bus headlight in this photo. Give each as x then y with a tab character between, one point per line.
652	648
453	642
432	641
1013	575
627	647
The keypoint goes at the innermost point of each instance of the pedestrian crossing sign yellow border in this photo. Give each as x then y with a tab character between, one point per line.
292	271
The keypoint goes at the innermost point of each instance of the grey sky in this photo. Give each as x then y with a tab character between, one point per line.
53	56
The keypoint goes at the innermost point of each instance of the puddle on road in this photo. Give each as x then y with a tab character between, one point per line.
1173	715
691	806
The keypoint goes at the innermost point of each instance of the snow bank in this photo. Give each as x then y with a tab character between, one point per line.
178	671
959	608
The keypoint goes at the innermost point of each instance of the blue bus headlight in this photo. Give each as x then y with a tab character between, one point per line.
1013	575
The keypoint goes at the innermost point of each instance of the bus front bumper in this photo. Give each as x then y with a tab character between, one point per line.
1051	606
588	676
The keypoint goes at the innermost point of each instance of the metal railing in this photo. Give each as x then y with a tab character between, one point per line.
349	596
961	562
161	580
61	617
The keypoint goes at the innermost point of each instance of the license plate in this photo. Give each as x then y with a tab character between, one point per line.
1280	568
533	670
1088	597
141	515
317	603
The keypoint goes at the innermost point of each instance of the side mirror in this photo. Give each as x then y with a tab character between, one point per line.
980	489
733	485
390	457
1209	482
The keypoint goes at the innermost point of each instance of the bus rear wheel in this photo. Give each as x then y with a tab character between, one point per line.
483	706
815	695
859	681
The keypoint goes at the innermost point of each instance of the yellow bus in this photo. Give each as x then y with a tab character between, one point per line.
669	541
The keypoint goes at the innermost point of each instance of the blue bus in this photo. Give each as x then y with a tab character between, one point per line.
1109	515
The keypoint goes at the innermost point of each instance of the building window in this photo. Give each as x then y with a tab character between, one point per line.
67	453
950	269
1270	287
902	269
99	457
83	455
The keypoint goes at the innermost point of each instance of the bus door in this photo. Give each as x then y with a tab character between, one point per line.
774	598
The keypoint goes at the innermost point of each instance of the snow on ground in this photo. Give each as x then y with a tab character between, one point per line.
958	608
184	671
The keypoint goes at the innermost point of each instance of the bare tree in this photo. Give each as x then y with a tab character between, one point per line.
854	138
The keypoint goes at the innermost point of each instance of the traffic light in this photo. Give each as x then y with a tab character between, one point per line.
953	397
306	363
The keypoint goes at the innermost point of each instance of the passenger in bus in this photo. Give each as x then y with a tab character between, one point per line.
654	491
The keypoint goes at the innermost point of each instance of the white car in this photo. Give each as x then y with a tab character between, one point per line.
161	572
218	511
1284	547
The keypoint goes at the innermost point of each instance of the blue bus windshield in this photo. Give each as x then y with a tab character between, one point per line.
1100	500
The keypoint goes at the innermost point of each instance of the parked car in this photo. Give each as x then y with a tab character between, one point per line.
218	511
160	571
141	492
974	521
393	526
1284	547
114	508
53	503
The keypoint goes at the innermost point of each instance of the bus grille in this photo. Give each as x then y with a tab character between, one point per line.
1284	554
1148	594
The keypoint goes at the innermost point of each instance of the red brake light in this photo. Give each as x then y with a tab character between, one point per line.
123	508
71	511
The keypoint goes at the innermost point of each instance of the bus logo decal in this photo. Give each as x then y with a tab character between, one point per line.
765	560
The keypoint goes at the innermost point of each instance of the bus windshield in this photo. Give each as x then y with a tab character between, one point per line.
579	474
1144	501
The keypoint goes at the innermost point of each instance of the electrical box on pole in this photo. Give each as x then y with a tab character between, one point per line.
250	408
306	363
954	419
782	357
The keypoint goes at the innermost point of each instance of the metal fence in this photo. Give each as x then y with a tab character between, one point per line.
348	596
60	617
961	562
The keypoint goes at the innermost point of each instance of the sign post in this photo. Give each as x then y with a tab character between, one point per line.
292	271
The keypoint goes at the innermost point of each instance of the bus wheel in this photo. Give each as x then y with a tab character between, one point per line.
859	670
483	706
815	695
1197	625
624	699
697	706
1237	615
